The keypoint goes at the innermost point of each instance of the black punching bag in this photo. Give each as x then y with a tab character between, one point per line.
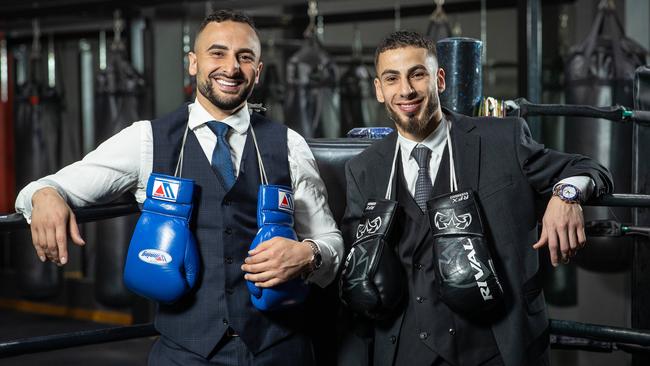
599	71
118	103
358	103
460	58
311	101
37	133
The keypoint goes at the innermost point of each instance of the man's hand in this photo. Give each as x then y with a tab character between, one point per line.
52	220
276	261
563	230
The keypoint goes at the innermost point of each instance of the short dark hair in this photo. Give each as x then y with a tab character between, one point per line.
225	15
404	38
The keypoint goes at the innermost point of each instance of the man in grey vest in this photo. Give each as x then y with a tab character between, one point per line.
509	173
216	322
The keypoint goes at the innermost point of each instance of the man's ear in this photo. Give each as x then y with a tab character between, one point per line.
260	66
440	78
191	67
378	93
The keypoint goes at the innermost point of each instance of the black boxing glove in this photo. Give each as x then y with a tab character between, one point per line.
373	281
467	282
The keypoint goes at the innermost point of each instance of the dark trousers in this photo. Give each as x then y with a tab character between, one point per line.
295	350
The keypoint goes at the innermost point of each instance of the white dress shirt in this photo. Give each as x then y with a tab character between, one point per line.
124	162
437	141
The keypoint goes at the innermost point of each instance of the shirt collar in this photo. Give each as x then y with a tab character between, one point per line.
435	141
239	121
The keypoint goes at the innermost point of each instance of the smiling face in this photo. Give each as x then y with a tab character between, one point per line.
408	84
226	63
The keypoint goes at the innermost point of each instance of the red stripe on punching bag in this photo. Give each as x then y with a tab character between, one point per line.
7	169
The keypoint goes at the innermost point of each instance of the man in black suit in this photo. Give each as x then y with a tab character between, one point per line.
513	177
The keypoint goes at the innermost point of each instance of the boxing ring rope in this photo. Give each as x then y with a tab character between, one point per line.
95	213
75	339
565	335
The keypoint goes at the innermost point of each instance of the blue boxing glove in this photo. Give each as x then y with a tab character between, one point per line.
275	218
163	261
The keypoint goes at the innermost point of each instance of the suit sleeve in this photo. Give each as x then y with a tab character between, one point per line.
544	167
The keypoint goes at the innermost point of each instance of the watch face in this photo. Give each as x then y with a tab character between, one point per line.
318	261
569	192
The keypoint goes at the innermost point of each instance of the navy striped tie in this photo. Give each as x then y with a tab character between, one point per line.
423	186
221	161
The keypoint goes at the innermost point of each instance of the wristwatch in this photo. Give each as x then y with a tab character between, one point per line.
317	260
567	193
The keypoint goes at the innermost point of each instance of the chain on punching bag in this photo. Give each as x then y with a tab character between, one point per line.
37	135
599	71
118	102
439	26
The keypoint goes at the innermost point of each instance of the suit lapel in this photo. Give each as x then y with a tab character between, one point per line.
379	168
412	209
466	149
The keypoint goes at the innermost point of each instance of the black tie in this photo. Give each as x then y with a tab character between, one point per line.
423	186
221	161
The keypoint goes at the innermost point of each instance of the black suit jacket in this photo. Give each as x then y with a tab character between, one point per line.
513	176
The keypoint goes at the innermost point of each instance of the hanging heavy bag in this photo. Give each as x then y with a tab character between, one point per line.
36	121
373	282
311	97
599	71
439	26
357	98
467	281
119	101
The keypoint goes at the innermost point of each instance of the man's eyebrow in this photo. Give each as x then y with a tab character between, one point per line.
412	69
246	50
389	71
216	46
416	67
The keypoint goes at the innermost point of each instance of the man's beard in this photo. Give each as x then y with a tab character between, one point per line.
414	125
224	103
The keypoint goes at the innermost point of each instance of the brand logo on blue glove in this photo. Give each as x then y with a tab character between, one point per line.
285	201
165	190
155	256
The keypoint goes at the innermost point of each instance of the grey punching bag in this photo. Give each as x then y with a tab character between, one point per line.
358	103
460	58
37	134
311	101
599	71
118	103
